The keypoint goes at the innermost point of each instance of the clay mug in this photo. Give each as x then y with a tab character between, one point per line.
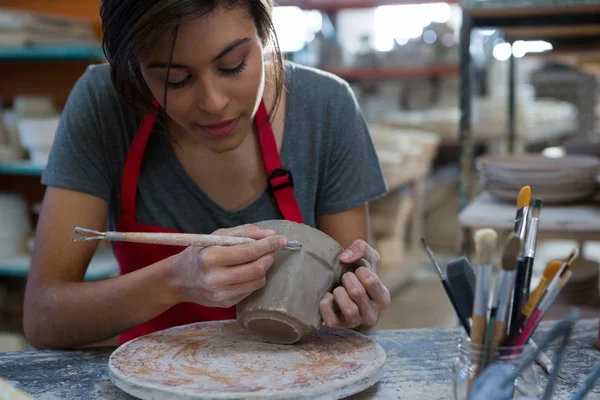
286	309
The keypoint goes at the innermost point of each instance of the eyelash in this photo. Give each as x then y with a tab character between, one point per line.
226	72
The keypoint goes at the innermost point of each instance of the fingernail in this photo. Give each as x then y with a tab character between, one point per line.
283	242
347	254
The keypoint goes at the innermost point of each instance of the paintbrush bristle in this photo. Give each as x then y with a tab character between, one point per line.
485	245
552	268
572	256
537	208
511	251
524	197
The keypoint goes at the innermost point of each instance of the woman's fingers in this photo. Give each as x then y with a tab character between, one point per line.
225	256
357	293
360	249
348	308
377	292
327	308
227	276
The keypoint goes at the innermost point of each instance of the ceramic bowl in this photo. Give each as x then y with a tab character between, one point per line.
286	309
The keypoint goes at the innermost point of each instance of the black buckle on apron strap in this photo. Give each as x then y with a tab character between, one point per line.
279	173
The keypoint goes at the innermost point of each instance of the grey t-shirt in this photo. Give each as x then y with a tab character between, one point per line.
326	146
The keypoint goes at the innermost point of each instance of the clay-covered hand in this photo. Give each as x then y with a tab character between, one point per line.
360	297
223	276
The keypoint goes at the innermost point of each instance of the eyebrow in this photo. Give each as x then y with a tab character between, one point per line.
225	51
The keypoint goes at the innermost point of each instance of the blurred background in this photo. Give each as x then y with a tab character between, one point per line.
440	84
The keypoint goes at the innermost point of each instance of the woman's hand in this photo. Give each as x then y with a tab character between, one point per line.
361	296
223	276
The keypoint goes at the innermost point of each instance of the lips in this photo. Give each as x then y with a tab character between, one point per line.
220	129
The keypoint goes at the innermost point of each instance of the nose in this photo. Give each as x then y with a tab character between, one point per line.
212	98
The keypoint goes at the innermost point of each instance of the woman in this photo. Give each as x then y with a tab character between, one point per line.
196	125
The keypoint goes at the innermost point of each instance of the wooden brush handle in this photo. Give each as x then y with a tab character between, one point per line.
183	239
478	329
497	339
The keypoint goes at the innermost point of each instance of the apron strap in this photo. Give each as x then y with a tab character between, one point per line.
280	182
133	164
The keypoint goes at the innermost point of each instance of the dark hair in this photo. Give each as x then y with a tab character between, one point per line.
132	27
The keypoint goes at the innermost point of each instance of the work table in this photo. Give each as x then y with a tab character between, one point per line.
419	366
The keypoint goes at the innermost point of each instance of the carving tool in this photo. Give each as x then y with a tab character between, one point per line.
485	244
521	229
496	329
171	239
459	312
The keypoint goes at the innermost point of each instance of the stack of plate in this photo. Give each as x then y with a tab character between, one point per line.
554	180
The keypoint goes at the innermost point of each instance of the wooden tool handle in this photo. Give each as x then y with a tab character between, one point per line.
185	239
478	329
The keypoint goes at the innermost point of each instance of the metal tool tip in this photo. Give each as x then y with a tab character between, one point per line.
294	245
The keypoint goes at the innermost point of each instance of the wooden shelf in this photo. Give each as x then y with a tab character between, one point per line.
333	5
378	73
21	168
51	53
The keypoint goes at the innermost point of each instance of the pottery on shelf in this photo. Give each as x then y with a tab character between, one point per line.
554	180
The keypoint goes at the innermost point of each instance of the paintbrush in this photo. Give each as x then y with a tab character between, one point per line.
485	245
552	283
501	376
459	312
520	228
522	212
543	307
171	239
461	277
549	273
496	329
530	244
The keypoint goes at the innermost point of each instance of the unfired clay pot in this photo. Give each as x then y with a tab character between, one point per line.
287	308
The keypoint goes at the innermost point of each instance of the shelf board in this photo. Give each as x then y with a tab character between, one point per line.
103	265
21	168
333	5
377	73
50	53
525	9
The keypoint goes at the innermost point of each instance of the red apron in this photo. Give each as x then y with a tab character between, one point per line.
133	256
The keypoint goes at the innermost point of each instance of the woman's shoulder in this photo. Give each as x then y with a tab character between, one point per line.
317	86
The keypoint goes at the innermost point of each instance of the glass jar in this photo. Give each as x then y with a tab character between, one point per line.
468	362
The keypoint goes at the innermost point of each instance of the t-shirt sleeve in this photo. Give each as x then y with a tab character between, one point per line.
352	174
78	159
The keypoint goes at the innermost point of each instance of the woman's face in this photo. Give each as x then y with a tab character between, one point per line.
215	80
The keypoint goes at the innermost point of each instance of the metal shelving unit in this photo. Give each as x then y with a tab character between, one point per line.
566	24
332	5
23	167
37	53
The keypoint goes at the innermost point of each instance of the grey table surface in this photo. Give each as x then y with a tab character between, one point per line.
419	366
